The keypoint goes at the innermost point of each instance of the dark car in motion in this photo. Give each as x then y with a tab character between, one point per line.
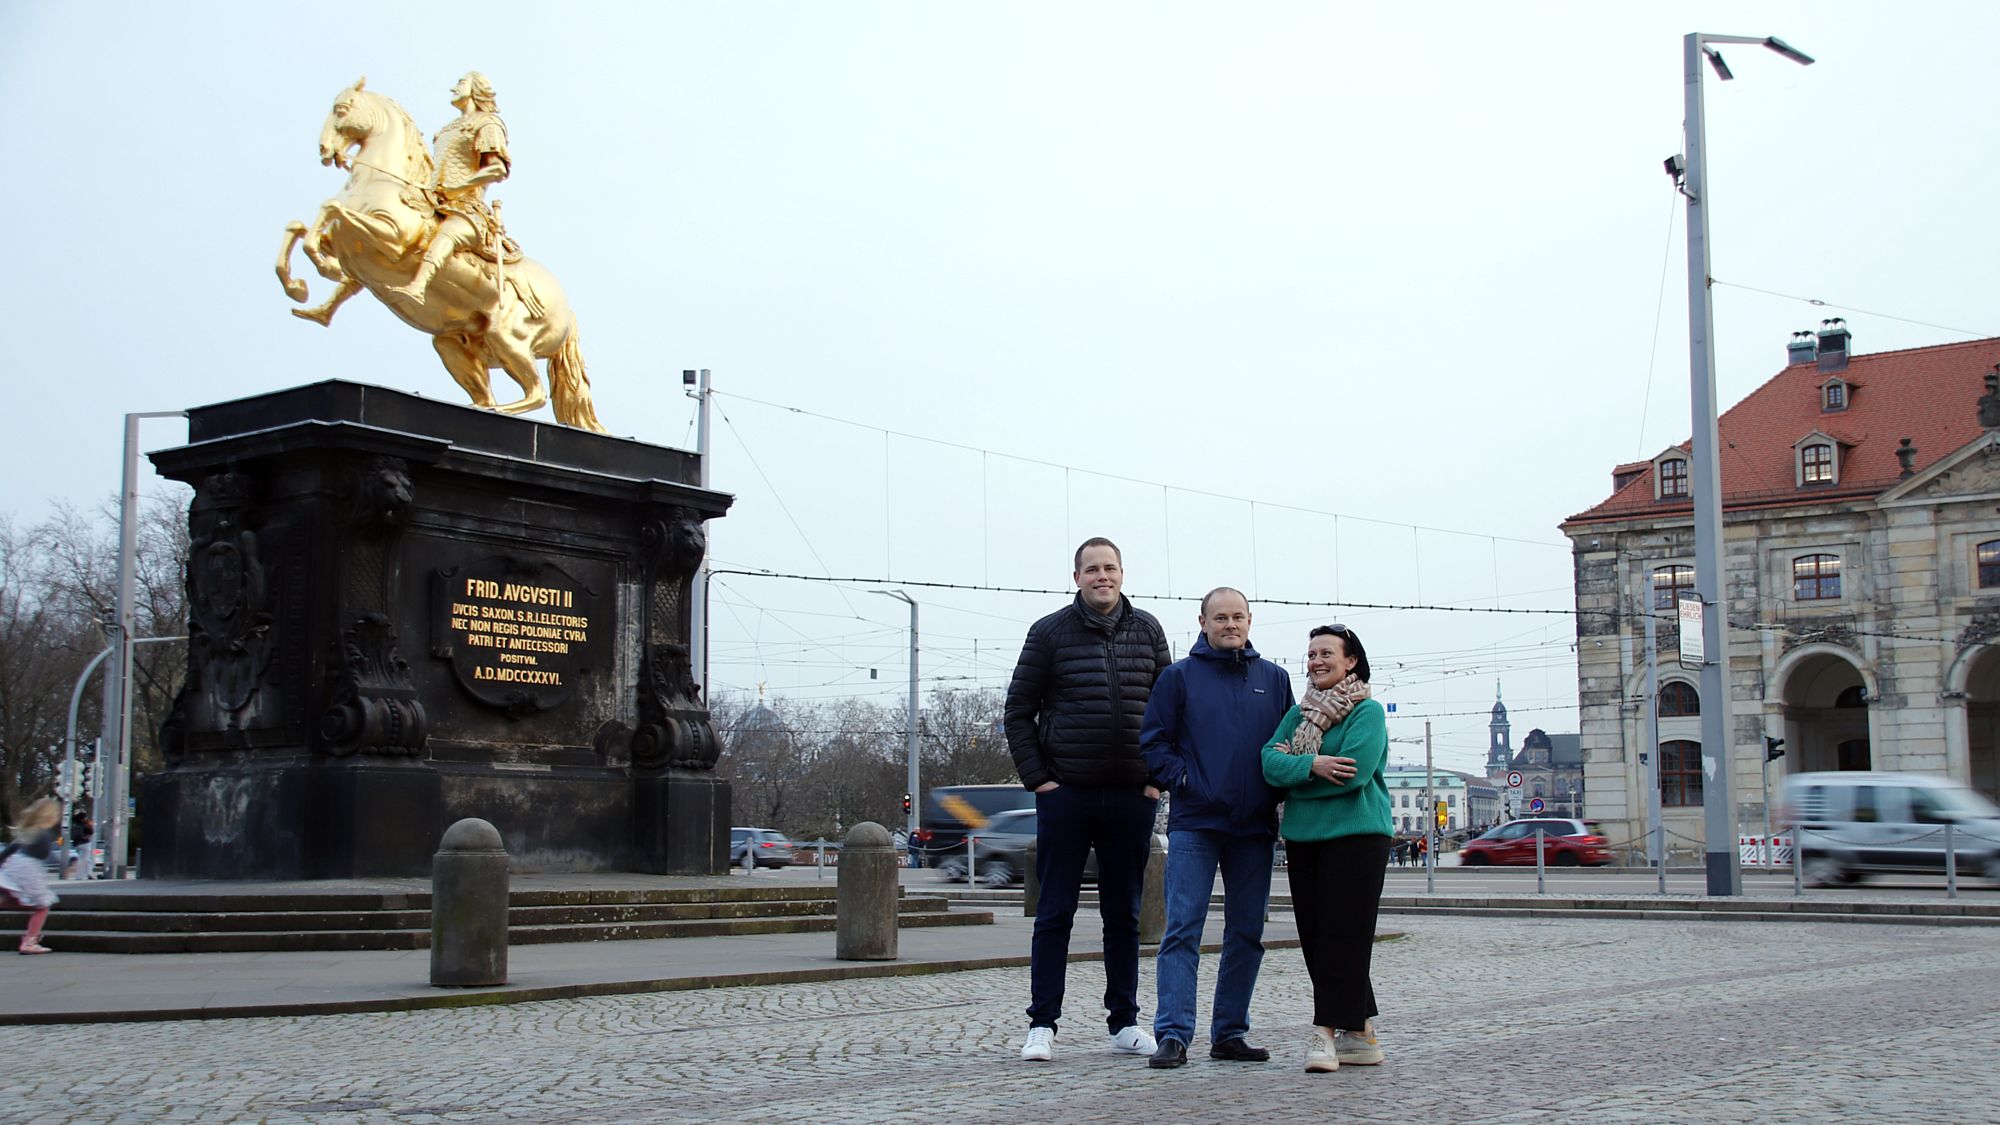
950	811
1565	842
1002	851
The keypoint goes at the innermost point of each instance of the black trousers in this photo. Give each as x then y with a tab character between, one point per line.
1336	891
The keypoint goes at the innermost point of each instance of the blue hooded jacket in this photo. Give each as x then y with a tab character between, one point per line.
1203	737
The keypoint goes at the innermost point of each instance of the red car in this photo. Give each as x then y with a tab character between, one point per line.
1567	843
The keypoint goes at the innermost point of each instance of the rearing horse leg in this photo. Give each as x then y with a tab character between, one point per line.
323	315
294	288
516	358
467	367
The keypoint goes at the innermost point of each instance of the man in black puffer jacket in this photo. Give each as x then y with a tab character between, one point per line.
1073	714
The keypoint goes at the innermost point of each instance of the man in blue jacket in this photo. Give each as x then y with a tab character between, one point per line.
1203	737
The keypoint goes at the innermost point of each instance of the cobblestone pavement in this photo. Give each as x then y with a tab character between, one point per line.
1511	1020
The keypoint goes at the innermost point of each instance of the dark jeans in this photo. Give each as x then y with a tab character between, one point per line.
1336	891
1069	822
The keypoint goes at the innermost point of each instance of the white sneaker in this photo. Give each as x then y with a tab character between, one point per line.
1133	1041
1321	1058
1358	1048
1041	1045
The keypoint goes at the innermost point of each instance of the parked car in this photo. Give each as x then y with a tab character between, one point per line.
767	847
1566	843
952	810
1855	823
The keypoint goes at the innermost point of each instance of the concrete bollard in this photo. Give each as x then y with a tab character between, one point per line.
469	883
866	896
1153	895
1031	882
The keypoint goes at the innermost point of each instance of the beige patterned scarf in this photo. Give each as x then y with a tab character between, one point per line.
1320	710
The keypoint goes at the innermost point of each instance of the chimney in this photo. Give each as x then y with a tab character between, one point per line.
1804	348
1989	403
1906	456
1833	341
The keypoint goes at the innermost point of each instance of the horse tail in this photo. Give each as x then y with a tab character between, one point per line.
569	386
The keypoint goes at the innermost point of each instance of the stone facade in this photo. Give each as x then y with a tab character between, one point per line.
1892	668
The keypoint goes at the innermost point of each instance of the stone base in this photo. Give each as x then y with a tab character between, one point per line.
681	823
290	821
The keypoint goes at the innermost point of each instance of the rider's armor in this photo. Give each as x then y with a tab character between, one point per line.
461	148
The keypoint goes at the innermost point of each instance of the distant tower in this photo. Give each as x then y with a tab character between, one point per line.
1497	751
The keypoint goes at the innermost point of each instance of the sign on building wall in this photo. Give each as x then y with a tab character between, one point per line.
1694	651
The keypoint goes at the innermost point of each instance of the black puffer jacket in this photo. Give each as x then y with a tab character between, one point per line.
1079	694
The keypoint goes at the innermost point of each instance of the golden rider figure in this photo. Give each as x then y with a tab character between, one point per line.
471	152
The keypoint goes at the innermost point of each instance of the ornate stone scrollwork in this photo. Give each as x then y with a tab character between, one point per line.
229	606
1837	633
674	727
1982	628
673	545
373	706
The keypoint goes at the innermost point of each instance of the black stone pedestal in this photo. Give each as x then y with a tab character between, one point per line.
404	613
685	814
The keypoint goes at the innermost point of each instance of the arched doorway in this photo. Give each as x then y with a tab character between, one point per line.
1982	722
1826	714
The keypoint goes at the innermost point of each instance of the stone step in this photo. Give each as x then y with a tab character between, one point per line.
100	920
266	941
84	897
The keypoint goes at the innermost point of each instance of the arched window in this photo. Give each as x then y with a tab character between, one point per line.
1679	699
1680	773
1816	463
1669	582
1815	578
1673	477
1989	564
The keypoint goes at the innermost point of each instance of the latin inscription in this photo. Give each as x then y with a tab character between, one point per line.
506	635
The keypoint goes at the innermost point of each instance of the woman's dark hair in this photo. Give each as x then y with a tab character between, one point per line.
1349	643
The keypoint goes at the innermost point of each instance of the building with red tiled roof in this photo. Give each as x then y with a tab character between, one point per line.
1861	550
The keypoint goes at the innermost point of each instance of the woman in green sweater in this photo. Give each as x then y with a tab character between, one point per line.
1328	757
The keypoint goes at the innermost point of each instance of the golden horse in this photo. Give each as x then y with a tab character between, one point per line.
479	314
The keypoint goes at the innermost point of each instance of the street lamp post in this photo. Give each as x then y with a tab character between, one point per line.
114	802
916	796
1725	875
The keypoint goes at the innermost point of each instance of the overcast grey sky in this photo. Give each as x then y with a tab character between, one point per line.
1403	263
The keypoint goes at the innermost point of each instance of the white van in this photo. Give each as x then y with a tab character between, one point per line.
1855	823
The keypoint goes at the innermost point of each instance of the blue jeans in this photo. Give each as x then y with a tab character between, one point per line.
1069	822
1193	856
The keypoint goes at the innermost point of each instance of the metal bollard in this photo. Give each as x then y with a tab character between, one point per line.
1153	895
1950	863
469	884
866	890
1031	882
1541	874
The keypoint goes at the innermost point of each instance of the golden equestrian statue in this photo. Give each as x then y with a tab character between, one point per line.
419	234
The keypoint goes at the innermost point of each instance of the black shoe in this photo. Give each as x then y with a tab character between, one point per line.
1236	1050
1172	1053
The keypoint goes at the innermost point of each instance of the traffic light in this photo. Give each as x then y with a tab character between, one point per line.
1774	748
65	779
88	779
906	804
1442	820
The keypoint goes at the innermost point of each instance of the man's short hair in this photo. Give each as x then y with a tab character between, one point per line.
1223	590
1097	541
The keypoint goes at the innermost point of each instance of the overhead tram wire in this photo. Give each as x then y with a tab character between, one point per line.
1817	303
869	426
782	506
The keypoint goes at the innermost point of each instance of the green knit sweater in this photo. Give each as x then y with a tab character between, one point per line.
1316	809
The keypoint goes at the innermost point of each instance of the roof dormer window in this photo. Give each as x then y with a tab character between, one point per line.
1835	393
1673	477
1816	460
